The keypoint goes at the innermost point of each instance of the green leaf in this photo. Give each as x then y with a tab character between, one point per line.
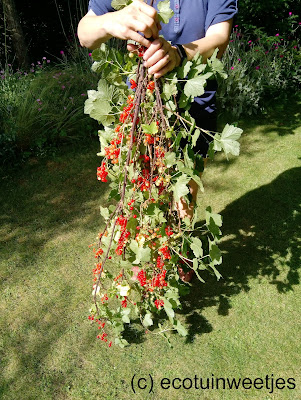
125	315
184	100
169	89
107	120
216	65
100	54
104	211
195	137
170	159
105	137
195	87
165	12
193	174
227	140
189	157
180	188
211	150
142	253
196	266
186	221
199	163
151	129
97	108
131	225
184	69
197	69
159	216
197	247
215	253
121	342
147	320
114	194
168	133
216	272
173	294
168	309
214	222
197	59
150	209
180	328
119	4
105	92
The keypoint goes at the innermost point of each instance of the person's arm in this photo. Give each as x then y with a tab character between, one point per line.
217	36
124	24
161	57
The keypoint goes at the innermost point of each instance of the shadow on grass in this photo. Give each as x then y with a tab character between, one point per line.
261	241
45	200
48	199
283	116
27	370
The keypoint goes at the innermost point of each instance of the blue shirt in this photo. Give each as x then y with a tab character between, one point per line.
190	22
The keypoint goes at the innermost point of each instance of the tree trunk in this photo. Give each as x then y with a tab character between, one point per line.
12	21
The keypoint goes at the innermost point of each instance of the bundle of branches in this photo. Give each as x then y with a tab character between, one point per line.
145	247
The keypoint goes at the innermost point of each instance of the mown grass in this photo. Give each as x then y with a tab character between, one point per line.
246	325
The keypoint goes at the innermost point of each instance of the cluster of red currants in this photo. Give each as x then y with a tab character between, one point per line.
165	253
102	172
159	303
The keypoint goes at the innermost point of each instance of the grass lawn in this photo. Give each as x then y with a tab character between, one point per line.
245	325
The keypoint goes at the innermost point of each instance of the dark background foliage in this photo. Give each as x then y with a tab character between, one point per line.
50	27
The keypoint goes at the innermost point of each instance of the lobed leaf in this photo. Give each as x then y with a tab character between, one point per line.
165	12
195	87
228	140
119	4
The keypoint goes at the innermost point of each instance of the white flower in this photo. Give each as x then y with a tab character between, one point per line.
140	239
123	290
95	290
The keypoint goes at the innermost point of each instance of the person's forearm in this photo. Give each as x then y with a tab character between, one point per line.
92	30
217	36
205	47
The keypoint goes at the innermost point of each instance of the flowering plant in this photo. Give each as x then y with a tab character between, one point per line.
148	173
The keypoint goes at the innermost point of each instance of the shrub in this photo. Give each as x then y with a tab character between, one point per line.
259	69
43	105
271	15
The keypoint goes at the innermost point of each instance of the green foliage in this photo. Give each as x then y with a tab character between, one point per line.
119	4
271	15
43	107
261	69
165	12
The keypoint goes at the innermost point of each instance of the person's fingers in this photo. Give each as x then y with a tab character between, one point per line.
146	9
152	17
130	34
151	24
159	65
157	61
167	68
132	48
157	56
153	48
139	25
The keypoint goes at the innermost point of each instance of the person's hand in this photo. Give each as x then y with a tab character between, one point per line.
137	17
160	57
